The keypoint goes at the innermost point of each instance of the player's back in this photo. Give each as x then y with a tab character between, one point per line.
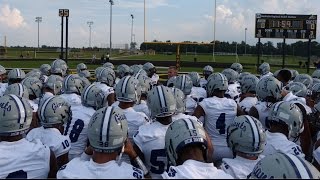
73	99
52	138
24	159
142	107
77	169
77	129
151	141
263	109
233	91
105	88
192	169
219	114
247	103
203	83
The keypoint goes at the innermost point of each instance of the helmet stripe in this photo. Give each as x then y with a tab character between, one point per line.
66	82
18	73
100	74
104	137
183	82
161	97
255	133
43	108
298	167
189	123
306	167
20	90
21	109
85	96
124	84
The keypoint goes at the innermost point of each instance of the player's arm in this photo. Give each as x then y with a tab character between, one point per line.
254	112
63	159
111	99
35	121
198	112
240	111
53	166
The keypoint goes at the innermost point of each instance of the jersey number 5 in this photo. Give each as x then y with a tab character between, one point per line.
157	162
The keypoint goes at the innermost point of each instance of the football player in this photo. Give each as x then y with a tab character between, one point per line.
264	70
207	71
16	75
248	96
3	85
151	73
145	84
233	91
105	81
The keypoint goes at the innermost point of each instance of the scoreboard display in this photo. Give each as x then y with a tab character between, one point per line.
288	26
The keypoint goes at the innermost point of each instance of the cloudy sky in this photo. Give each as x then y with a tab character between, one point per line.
175	20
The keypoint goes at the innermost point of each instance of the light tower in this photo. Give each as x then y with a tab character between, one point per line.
90	24
38	20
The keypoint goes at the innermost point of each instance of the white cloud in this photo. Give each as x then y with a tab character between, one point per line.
223	12
11	17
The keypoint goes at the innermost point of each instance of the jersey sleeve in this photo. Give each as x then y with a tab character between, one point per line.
227	169
137	138
63	147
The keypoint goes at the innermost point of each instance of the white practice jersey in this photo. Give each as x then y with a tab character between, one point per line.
105	88
265	75
247	103
192	169
151	141
184	116
142	107
191	104
33	105
263	109
239	167
52	138
79	169
219	114
233	91
77	130
3	87
154	79
24	159
203	83
279	142
73	99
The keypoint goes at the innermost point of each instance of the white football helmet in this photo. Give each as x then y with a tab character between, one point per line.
269	87
249	83
128	89
297	88
97	71
294	73
85	73
284	166
45	69
15	115
237	67
149	68
246	135
264	68
73	84
54	83
17	89
207	71
59	67
34	73
305	79
107	130
216	81
92	96
34	86
16	75
195	78
289	114
144	81
109	65
81	67
54	110
171	81
2	70
181	133
161	101
231	75
180	100
107	76
184	83
123	70
316	74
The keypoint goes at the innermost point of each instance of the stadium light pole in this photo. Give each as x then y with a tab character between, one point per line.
38	20
131	45
111	4
245	41
214	30
90	24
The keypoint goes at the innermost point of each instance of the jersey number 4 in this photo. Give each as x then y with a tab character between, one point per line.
221	123
76	130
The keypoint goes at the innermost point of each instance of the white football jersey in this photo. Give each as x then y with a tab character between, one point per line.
3	87
79	169
247	103
219	114
192	169
203	83
77	130
52	138
33	105
233	91
24	159
239	167
265	75
191	104
154	79
73	99
142	107
105	88
150	139
279	142
263	109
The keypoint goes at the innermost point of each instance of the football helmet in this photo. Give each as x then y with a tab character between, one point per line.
216	81
2	70
161	101
73	84
54	83
171	81
207	71
92	96
108	76
231	75
249	83
246	135
135	68
294	73
123	70
81	67
289	114
184	83
181	133
15	115
97	71
34	73
316	74
109	65
268	87
297	88
195	78
17	89
305	79
59	67
242	75
128	89
107	130
16	75
45	69
34	86
237	67
149	68
284	166
85	73
144	81
54	110
264	68
180	100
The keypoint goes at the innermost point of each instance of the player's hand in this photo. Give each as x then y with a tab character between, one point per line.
89	150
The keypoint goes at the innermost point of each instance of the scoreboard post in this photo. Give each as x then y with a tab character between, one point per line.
286	26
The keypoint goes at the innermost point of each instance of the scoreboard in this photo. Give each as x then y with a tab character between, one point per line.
288	26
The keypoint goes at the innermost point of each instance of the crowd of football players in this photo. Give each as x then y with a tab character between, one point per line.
127	124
